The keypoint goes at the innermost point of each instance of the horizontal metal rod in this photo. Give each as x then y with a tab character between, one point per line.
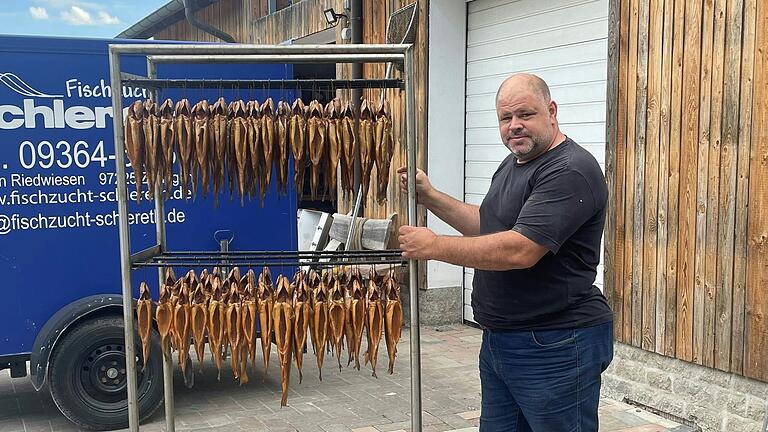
278	58
265	84
383	252
282	258
244	49
291	263
232	260
235	260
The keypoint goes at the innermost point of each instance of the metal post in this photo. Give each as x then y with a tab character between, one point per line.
125	241
765	424
355	211
413	275
224	247
356	30
170	407
355	95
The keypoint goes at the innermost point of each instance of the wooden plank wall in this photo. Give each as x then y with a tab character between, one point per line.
248	22
230	16
298	20
375	15
687	150
756	331
305	18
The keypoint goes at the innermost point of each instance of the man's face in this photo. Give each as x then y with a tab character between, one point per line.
526	122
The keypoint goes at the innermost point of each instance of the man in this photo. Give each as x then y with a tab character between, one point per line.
534	243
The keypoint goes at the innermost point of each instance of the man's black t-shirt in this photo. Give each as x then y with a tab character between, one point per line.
557	200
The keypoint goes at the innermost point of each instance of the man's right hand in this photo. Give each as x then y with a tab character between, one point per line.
424	189
465	218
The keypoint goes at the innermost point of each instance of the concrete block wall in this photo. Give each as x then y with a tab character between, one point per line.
437	306
711	399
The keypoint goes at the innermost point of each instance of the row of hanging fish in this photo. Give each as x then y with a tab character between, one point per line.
240	143
332	307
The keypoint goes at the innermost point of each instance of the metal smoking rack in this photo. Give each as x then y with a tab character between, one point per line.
158	255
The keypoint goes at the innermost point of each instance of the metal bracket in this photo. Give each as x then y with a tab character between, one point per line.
147	254
129	76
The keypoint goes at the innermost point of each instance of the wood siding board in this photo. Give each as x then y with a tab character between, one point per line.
639	203
629	294
742	188
621	145
610	152
688	150
422	69
205	15
664	136
724	139
755	365
701	181
673	195
655	33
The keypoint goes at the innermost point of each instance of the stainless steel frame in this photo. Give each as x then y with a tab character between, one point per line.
237	53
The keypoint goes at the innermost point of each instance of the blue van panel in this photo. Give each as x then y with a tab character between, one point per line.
58	234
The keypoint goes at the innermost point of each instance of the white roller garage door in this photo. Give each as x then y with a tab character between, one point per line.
564	42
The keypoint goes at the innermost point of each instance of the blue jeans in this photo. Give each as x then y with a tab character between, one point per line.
543	381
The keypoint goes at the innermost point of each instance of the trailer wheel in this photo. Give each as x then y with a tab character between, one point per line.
88	376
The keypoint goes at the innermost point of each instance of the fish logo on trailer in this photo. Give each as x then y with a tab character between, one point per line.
47	111
13	82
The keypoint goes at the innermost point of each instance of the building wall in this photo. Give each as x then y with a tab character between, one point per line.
293	22
375	15
687	166
245	20
710	399
305	18
445	125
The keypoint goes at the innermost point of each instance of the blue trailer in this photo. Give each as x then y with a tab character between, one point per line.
59	244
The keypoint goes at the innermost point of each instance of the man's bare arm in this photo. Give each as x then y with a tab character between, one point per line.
508	250
463	217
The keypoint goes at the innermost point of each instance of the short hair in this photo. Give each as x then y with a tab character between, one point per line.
534	82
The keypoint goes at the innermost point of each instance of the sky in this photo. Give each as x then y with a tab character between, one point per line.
75	18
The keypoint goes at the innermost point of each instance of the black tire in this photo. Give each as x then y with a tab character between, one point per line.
87	376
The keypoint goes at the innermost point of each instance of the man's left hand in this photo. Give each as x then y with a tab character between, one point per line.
417	242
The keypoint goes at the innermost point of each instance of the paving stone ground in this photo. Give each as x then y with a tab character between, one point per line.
345	401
